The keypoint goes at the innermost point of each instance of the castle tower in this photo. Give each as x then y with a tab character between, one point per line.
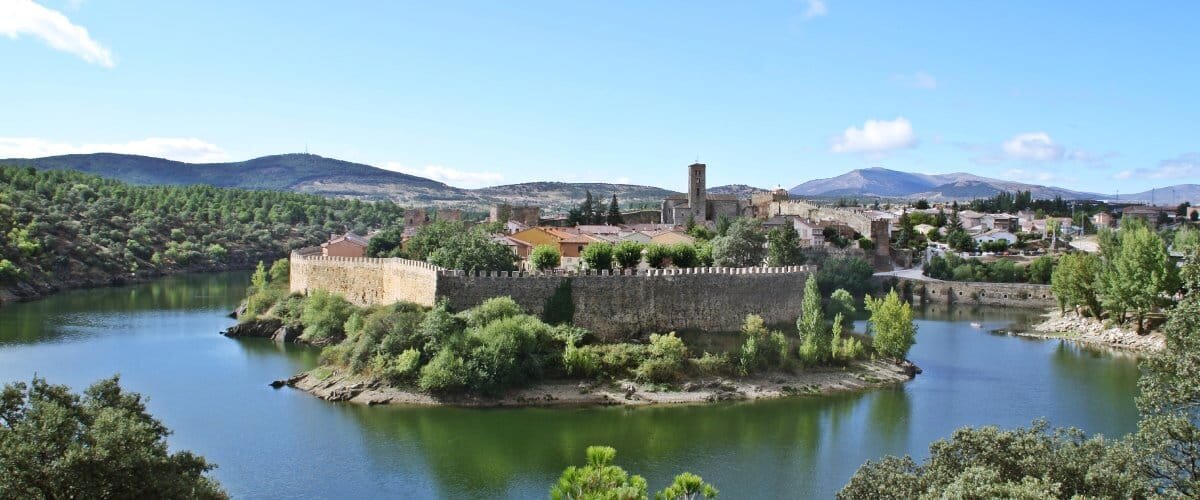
697	199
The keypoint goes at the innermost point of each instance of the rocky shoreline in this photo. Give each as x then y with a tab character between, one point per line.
1094	331
337	385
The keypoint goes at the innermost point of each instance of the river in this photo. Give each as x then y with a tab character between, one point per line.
162	338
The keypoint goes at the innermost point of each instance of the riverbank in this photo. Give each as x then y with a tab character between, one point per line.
339	385
1093	331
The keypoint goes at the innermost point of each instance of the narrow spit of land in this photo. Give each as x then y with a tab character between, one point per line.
340	385
1093	331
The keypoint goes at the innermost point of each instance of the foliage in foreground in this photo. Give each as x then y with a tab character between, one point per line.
1161	459
600	479
56	444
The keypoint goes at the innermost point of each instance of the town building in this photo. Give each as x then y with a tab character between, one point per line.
697	205
346	245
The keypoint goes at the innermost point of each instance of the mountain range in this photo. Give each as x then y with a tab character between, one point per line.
308	173
885	183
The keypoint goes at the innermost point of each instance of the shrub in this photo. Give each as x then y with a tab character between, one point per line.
762	349
850	273
616	360
324	316
841	302
491	310
712	364
446	372
581	362
9	271
400	369
664	360
628	254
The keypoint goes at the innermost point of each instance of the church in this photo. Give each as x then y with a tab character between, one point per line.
697	204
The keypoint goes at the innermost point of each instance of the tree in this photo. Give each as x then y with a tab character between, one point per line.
1167	401
815	335
473	250
1187	241
921	204
684	255
431	237
628	254
385	243
599	478
892	325
840	302
1140	275
783	247
851	273
1074	282
103	444
741	245
1041	270
598	256
687	486
657	255
614	212
545	257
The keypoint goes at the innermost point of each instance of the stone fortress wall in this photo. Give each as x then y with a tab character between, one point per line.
612	305
973	293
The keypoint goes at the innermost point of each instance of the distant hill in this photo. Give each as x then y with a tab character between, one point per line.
563	195
739	190
304	173
887	183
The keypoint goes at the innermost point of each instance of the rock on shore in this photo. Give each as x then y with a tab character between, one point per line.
1072	326
337	385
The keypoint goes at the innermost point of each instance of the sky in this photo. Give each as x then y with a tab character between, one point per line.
1098	96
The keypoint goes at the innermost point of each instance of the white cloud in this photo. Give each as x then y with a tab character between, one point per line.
1184	166
187	149
1035	176
816	8
919	80
448	175
1032	146
875	137
24	17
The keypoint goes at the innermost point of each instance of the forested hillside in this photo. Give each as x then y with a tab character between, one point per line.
63	229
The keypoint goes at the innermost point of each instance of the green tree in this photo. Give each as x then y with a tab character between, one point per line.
840	302
614	212
815	335
598	256
683	255
545	257
473	250
850	273
103	444
279	273
687	486
741	245
324	317
783	247
1187	241
1041	270
1074	282
1140	276
598	479
892	325
657	255
386	243
628	254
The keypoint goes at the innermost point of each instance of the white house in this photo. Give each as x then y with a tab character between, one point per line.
996	235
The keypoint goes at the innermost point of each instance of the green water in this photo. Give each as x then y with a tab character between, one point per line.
212	391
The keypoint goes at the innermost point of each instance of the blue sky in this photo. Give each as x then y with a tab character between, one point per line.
1097	96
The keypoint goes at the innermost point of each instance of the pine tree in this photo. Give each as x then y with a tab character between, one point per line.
614	212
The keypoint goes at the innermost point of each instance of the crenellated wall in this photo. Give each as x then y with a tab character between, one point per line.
611	305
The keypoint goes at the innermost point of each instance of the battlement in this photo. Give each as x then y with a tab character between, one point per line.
612	304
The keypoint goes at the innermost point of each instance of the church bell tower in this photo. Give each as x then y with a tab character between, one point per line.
697	193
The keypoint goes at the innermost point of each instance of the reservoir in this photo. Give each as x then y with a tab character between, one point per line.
163	339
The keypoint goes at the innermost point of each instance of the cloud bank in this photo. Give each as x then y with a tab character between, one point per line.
24	17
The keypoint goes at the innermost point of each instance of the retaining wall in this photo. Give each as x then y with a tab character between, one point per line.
962	292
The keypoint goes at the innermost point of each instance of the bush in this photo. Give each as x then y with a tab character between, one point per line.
628	254
446	372
491	310
400	369
710	365
324	317
892	325
9	271
664	360
581	362
615	360
850	273
762	349
841	302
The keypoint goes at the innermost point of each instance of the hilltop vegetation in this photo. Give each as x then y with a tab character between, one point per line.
64	229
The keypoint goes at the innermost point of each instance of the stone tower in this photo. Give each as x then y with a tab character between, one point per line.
697	199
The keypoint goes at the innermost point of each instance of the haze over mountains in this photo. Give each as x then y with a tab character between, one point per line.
307	173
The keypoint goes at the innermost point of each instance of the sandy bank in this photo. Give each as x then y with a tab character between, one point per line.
342	386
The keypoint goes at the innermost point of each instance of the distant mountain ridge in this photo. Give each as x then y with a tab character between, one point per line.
308	173
886	183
